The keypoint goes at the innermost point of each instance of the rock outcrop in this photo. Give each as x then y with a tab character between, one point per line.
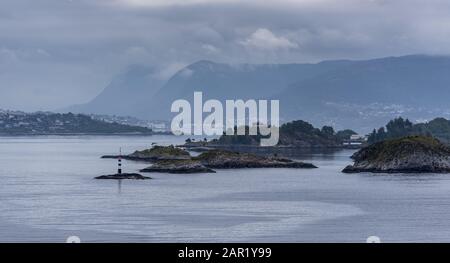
155	153
177	167
122	176
413	154
221	159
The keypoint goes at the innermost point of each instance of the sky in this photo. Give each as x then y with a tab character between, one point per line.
54	53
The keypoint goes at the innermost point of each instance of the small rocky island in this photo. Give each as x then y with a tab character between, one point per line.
222	159
178	167
154	154
171	159
121	176
412	154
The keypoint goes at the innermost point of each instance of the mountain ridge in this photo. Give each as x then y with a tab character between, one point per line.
354	94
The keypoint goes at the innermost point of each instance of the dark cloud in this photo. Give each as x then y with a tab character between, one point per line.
55	53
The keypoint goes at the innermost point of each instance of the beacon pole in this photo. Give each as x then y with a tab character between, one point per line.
119	160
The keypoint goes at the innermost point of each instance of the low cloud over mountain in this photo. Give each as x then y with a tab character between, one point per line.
56	53
353	94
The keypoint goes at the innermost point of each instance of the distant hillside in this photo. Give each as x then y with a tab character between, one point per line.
45	123
368	93
128	94
342	94
242	81
134	93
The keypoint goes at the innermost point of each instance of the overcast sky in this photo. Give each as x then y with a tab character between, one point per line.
54	53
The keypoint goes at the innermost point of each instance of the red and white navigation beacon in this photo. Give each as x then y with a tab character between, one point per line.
119	160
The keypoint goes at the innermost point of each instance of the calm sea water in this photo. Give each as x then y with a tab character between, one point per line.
47	193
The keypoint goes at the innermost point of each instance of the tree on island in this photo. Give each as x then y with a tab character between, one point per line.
345	134
399	127
295	133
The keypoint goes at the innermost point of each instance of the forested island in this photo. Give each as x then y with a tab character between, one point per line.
295	134
411	154
438	128
404	147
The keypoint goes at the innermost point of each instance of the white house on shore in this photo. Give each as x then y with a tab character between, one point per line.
355	140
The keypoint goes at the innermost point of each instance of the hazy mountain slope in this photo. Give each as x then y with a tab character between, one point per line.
346	94
137	93
128	93
243	81
370	92
389	80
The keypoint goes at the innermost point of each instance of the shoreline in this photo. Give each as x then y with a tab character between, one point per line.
272	149
85	134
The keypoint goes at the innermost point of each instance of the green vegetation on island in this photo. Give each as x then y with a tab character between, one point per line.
178	167
170	159
399	127
411	154
155	153
161	152
221	159
299	134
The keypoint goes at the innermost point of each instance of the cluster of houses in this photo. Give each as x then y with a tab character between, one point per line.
355	141
155	125
20	122
45	123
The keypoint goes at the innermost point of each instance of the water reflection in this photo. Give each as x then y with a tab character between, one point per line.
119	186
47	193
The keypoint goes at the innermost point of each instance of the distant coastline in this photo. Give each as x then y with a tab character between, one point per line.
82	134
14	123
